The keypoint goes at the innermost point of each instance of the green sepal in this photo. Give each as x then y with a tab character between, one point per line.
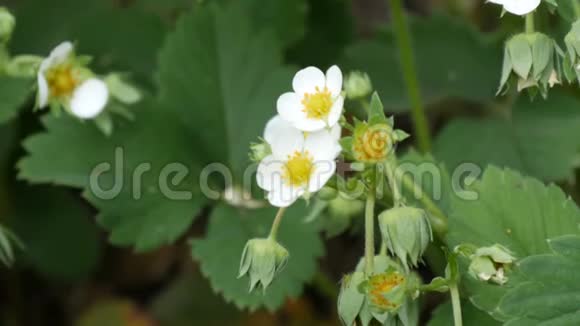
104	123
520	53
376	112
350	299
122	90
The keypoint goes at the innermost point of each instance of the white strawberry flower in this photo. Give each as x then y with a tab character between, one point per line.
61	78
518	7
316	102
300	163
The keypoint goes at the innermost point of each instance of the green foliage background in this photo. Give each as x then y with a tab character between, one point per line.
211	72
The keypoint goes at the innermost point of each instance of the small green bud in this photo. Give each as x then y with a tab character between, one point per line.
7	24
341	206
262	260
491	264
572	61
531	61
407	232
259	151
327	193
357	85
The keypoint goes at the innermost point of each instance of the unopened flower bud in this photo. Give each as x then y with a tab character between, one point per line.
357	85
7	23
262	260
327	193
572	60
372	144
341	206
530	62
407	232
491	264
387	291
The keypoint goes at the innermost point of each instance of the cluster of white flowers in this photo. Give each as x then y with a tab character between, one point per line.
518	7
62	79
303	137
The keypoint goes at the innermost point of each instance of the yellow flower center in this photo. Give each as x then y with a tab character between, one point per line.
381	285
318	104
373	145
61	80
298	168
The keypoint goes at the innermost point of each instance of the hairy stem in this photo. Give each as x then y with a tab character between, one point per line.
456	303
407	58
390	167
276	223
370	232
530	23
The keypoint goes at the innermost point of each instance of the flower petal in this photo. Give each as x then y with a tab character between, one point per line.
269	174
520	7
307	79
89	99
322	145
278	127
284	196
310	125
286	144
335	111
61	52
334	80
289	107
336	131
42	95
323	171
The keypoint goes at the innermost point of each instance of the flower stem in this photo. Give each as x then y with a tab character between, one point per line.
390	167
576	4
276	223
370	232
530	23
407	58
456	303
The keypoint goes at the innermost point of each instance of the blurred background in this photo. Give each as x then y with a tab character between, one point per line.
69	274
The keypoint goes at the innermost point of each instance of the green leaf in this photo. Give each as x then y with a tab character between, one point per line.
287	18
59	238
330	26
222	78
220	251
443	315
189	300
539	140
517	212
551	295
464	66
139	174
13	95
